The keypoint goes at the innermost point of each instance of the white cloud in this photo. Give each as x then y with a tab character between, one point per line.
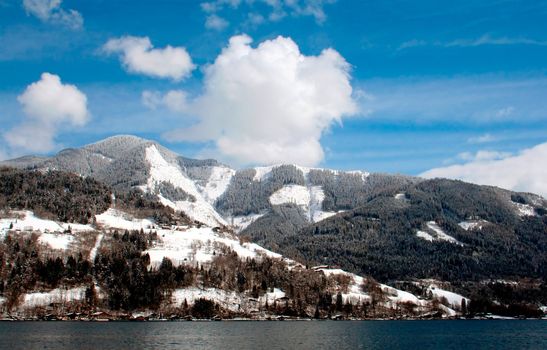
275	10
270	104
483	155
175	100
255	19
310	8
51	11
483	40
486	138
525	171
215	22
487	39
139	56
48	104
505	112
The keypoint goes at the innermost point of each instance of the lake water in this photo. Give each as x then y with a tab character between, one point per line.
495	334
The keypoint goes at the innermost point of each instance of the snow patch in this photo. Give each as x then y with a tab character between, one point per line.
163	171
363	174
471	225
199	245
454	299
229	300
218	183
400	196
114	218
294	194
271	297
355	294
309	199
57	295
261	173
59	241
436	234
95	249
29	222
240	223
199	210
524	209
425	235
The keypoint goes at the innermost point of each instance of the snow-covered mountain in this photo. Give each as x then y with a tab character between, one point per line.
391	227
203	189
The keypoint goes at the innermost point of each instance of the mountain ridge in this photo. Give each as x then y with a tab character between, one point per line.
313	213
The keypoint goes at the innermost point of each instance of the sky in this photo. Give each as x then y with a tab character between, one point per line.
430	88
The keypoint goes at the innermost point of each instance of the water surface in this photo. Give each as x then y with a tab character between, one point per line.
495	334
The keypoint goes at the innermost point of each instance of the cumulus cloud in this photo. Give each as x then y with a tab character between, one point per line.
48	104
139	56
51	11
525	171
215	22
270	104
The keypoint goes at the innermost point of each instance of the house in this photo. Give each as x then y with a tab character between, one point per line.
100	316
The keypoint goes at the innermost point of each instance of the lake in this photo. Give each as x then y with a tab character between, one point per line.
456	334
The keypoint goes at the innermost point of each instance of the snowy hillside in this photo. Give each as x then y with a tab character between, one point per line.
189	185
198	208
182	245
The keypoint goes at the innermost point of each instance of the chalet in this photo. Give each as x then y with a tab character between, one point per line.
100	316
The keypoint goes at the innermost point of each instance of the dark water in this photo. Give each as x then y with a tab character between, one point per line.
465	335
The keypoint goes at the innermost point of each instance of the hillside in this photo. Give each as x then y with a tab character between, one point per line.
397	229
126	267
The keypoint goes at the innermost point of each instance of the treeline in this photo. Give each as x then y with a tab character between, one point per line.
67	197
23	269
53	194
146	205
123	272
379	238
246	196
128	283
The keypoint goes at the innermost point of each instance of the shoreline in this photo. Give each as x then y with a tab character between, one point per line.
489	318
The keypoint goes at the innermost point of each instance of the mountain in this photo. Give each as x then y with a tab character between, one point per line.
94	252
211	192
392	227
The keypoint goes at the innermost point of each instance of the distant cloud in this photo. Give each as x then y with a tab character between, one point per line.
50	11
412	43
255	19
139	56
474	100
483	155
489	40
525	171
483	40
505	112
276	10
174	100
481	139
48	104
215	22
269	104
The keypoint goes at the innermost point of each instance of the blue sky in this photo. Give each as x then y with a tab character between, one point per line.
434	82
